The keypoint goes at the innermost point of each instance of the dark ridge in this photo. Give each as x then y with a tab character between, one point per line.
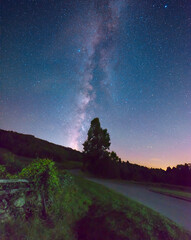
29	146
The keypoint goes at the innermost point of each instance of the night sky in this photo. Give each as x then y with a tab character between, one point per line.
127	62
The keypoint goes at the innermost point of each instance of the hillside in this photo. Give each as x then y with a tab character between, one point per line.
84	210
31	147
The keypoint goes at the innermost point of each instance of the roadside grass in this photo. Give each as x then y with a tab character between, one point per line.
162	186
13	162
84	210
69	206
69	165
124	218
172	193
150	185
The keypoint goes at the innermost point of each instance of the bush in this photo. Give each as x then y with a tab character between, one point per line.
3	172
44	175
69	205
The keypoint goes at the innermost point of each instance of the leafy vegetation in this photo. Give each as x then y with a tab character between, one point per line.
15	163
80	209
85	210
99	161
121	218
25	148
31	147
77	208
68	205
44	175
95	148
179	175
69	165
3	172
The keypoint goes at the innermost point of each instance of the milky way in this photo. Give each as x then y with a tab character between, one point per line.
96	49
127	62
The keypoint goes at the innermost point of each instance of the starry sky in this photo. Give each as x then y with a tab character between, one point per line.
127	62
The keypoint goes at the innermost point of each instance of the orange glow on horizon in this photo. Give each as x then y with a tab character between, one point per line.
167	160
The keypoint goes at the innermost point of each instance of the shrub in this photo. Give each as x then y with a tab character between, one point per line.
3	172
70	203
44	175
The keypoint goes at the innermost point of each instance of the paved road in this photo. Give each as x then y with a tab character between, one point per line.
177	210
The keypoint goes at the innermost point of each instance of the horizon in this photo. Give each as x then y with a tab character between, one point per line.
126	62
123	160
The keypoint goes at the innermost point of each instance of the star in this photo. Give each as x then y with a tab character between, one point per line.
105	59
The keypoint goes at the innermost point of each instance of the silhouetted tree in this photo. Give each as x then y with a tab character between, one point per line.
95	148
114	157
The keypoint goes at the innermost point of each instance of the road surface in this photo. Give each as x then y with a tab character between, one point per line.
175	209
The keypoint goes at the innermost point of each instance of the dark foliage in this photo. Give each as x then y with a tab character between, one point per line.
105	164
95	149
97	159
30	146
179	175
101	162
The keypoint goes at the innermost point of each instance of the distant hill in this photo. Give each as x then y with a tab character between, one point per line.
31	147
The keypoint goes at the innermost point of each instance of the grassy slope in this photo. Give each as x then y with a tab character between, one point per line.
150	185
30	146
173	193
127	218
172	190
19	162
85	210
161	185
69	165
176	191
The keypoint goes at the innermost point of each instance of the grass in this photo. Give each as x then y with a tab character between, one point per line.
150	185
17	163
181	192
69	205
85	210
30	146
162	186
173	193
122	217
176	191
69	165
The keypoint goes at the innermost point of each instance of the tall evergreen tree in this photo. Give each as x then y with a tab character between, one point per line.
96	146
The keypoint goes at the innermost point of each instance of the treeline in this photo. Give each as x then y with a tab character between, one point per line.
101	162
32	147
97	159
179	175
